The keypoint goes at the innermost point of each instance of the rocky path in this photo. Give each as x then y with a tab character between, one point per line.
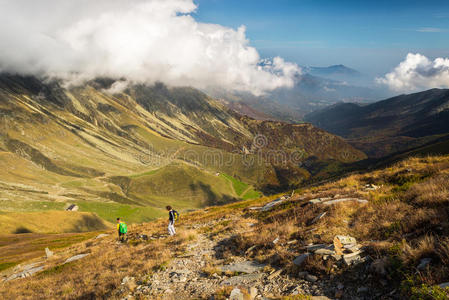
192	276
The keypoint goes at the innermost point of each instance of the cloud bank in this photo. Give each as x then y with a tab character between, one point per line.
142	41
418	72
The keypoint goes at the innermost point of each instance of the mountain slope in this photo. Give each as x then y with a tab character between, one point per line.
87	146
390	125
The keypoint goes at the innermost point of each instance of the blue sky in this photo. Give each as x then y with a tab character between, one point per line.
372	36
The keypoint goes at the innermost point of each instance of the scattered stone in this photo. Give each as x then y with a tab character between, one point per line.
25	273
315	247
253	292
324	251
274	274
311	278
444	285
76	257
300	259
319	200
102	235
352	258
48	252
317	218
423	263
243	267
362	289
276	240
340	241
274	203
236	294
250	249
332	202
242	279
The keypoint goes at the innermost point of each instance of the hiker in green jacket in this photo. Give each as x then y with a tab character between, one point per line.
122	230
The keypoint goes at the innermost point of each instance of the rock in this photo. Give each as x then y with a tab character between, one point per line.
311	278
352	258
102	235
301	259
72	207
275	274
341	240
362	289
332	202
317	218
324	251
48	253
319	200
423	263
272	204
243	267
319	298
242	279
26	272
340	286
312	247
292	242
276	240
302	274
76	257
444	285
250	249
253	293
236	294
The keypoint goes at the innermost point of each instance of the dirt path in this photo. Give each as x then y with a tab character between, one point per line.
192	275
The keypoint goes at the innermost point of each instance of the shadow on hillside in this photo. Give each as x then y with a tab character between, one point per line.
88	223
22	229
212	199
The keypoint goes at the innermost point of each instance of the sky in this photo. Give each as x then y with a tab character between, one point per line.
239	45
371	36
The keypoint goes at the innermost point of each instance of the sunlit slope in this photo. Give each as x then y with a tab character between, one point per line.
87	146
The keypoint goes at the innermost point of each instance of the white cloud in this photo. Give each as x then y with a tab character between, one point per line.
141	40
418	72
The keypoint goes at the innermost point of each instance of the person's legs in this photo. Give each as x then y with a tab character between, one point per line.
171	228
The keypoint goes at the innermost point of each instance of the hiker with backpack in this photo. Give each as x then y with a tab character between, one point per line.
173	216
122	230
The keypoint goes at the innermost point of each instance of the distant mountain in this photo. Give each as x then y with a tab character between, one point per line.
309	93
391	125
331	71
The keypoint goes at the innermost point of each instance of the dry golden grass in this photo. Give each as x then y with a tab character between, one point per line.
99	274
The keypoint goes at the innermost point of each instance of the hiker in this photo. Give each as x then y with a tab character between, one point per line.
122	230
172	217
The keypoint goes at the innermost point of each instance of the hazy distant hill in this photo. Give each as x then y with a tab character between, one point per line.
316	88
394	124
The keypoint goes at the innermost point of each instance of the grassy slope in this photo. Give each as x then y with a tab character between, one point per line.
404	221
51	222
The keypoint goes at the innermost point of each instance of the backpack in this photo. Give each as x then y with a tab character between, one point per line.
122	227
175	215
